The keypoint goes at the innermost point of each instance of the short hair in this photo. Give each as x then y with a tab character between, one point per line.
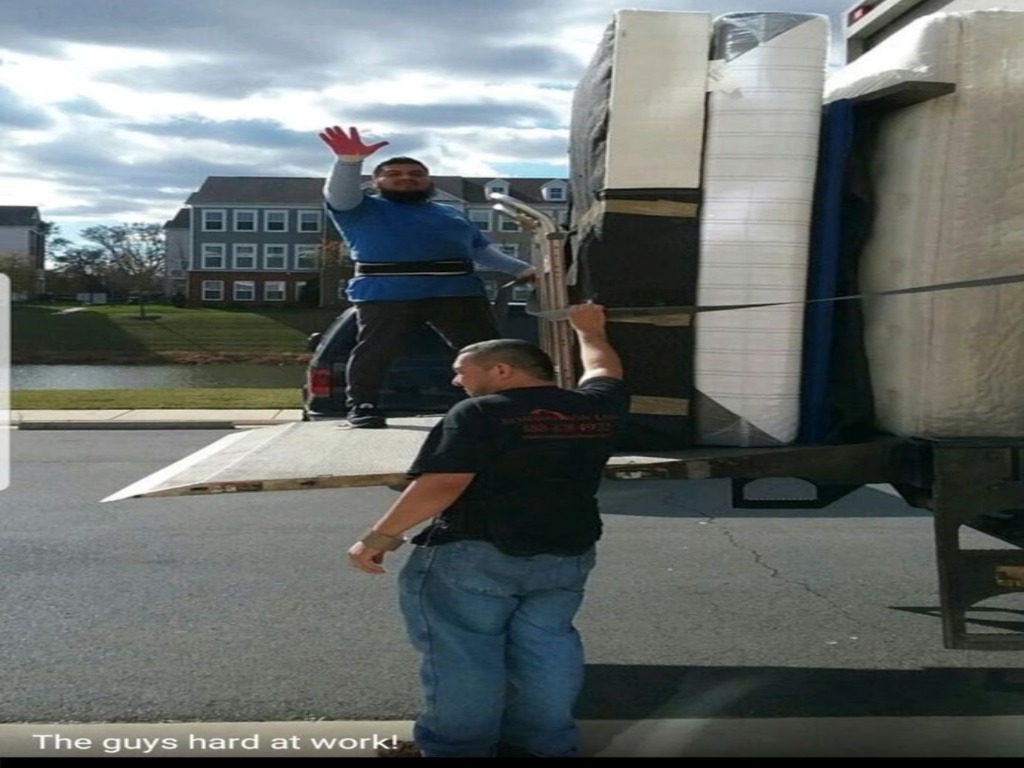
400	160
517	353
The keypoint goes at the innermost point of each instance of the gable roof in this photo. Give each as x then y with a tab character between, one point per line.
182	219
258	190
472	189
19	215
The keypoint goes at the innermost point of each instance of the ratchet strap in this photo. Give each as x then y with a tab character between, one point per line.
682	315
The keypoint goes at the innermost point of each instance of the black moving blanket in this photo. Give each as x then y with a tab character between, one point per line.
635	145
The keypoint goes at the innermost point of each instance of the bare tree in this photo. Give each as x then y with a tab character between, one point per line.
84	269
74	268
134	254
21	272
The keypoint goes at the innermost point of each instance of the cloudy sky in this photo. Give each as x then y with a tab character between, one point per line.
115	110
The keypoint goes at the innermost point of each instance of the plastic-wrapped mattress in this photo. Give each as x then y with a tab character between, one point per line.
637	137
948	183
760	163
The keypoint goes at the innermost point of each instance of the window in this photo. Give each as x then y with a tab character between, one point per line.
497	186
310	221
275	221
245	221
554	192
522	293
512	249
212	256
481	217
275	256
244	256
508	224
298	289
244	290
273	290
214	220
491	287
213	290
306	256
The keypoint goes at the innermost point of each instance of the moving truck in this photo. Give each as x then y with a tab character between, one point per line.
974	480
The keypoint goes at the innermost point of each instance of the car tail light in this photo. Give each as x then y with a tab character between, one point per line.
318	382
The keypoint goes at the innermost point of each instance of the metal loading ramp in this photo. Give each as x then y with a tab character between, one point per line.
305	455
291	457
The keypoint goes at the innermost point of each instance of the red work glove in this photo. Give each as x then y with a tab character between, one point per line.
348	146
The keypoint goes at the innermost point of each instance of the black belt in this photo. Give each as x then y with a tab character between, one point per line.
453	267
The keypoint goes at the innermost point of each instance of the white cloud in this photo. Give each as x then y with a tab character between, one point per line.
118	111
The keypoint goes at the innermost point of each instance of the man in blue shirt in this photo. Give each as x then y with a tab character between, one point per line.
415	263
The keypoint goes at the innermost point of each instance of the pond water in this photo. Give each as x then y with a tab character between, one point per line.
156	376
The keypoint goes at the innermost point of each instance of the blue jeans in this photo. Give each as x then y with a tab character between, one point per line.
502	660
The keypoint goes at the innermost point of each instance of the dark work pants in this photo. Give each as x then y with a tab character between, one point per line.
460	320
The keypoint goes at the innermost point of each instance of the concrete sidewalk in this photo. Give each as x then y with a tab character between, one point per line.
154	418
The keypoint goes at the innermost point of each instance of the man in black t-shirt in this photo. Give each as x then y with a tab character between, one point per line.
490	592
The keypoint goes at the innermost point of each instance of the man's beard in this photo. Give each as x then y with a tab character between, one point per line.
408	195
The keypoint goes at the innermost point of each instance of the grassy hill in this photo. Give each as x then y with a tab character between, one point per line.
42	333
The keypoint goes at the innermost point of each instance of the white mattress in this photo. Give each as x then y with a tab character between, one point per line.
656	105
948	176
760	164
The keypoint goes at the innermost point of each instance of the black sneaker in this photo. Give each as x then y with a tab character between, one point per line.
366	416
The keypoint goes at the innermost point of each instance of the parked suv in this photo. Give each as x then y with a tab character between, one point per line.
418	381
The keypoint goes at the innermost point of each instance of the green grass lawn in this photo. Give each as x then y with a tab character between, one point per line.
90	399
52	334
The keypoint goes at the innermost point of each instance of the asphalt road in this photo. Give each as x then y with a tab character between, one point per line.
240	608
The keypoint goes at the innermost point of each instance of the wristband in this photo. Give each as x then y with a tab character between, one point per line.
376	540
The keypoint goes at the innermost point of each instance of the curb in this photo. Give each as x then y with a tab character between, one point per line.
62	425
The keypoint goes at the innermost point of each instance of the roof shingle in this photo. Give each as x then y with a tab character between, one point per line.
19	215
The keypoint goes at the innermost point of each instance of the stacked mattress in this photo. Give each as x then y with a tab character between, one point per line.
760	164
948	182
636	146
679	199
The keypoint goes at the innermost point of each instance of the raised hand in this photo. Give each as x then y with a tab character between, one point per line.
587	318
348	146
